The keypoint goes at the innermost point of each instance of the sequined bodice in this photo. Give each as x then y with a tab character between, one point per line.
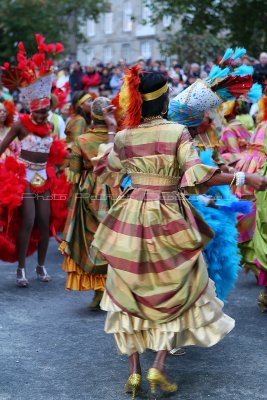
35	143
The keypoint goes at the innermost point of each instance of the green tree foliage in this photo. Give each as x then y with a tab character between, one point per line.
205	23
54	19
193	47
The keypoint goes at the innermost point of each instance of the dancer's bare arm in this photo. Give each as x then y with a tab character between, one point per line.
14	132
258	182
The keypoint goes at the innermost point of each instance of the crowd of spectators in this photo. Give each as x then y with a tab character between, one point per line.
106	80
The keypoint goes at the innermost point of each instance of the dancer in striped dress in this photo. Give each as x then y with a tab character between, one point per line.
158	294
89	203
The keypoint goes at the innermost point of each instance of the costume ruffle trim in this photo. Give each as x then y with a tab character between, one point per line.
204	325
77	278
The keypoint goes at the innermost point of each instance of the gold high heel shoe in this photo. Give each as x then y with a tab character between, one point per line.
133	385
155	377
262	302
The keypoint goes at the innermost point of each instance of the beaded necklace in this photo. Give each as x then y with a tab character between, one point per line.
154	121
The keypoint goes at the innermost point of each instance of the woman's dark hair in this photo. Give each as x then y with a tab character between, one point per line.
75	98
150	82
242	107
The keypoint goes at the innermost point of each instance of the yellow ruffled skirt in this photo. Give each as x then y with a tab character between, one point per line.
204	325
77	278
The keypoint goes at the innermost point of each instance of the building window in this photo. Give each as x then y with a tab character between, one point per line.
146	52
145	28
146	11
107	56
108	23
90	55
127	24
90	27
166	21
126	52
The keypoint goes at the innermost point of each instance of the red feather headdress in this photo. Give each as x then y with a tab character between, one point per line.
33	75
62	94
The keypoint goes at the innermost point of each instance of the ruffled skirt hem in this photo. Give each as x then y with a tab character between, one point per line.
77	278
203	325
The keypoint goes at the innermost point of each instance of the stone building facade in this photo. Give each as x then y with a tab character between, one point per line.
122	34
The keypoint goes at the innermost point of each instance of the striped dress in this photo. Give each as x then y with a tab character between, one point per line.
253	159
254	230
259	242
234	140
158	294
75	127
89	203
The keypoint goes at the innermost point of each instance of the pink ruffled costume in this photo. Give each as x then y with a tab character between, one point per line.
234	140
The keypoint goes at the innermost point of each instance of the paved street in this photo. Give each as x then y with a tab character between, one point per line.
53	348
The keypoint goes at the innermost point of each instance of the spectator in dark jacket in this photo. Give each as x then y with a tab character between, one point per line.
76	77
105	89
260	70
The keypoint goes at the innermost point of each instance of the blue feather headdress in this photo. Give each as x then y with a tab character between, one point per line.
225	82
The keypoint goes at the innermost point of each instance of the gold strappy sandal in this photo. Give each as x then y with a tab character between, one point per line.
133	385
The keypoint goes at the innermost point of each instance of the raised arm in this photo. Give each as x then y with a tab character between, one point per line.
197	177
258	182
12	134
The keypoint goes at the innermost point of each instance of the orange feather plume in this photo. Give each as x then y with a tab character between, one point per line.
262	114
130	99
11	111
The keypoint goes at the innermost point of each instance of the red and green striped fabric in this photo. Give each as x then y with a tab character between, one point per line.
89	199
152	237
234	140
76	126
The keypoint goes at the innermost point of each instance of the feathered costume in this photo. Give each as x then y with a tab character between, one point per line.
223	83
12	189
34	78
221	252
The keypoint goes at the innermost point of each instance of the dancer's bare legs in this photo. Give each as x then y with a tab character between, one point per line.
160	360
134	364
34	207
43	211
27	212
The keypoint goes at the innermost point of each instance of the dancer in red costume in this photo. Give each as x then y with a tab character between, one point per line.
32	179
